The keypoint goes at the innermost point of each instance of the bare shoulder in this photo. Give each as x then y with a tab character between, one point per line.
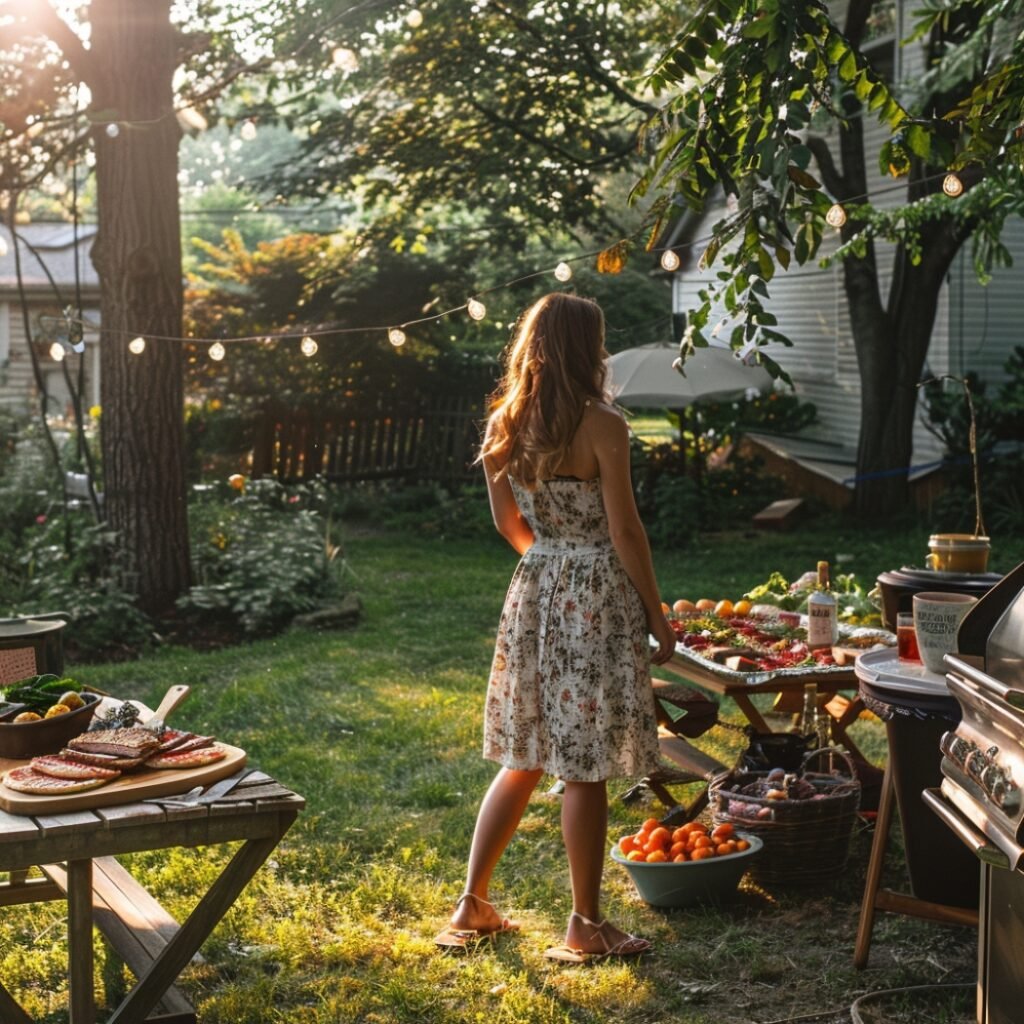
606	422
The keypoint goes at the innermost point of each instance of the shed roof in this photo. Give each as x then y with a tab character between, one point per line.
52	245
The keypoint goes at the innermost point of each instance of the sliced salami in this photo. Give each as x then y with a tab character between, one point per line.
193	743
188	758
65	768
27	780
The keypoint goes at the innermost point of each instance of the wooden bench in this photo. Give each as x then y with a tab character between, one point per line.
135	927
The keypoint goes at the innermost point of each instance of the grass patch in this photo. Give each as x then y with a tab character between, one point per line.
379	729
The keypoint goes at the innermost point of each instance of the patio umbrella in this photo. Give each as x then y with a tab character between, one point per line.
643	377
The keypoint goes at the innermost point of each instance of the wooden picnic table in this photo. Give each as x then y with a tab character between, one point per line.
787	683
78	852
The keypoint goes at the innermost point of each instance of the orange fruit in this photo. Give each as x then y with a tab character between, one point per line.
676	849
742	844
657	857
742	607
665	608
705	604
636	855
627	844
723	831
679	858
703	842
724	608
702	853
650	825
661	835
723	850
684	607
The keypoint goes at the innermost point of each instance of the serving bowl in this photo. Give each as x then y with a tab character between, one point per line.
690	882
47	736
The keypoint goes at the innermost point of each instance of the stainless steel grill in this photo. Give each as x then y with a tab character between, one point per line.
981	797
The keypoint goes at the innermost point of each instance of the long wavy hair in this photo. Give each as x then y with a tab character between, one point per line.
552	366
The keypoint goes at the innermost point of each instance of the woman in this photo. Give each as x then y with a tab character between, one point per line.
570	692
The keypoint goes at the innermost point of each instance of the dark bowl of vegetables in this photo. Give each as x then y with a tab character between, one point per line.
40	714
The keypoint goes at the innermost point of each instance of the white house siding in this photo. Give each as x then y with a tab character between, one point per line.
985	323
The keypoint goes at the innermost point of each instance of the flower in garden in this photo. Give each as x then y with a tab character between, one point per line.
293	499
41	518
237	481
94	411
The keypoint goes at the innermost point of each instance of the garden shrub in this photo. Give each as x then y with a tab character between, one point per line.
999	425
261	558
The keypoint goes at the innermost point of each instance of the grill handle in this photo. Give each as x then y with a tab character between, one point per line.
974	841
983	681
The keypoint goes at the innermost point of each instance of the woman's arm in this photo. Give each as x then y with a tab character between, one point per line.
508	519
609	437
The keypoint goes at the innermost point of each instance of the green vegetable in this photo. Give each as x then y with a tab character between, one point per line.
39	692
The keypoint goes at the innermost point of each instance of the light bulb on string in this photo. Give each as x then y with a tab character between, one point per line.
476	309
563	272
308	345
345	59
669	260
3	246
836	216
217	351
248	130
414	18
396	336
137	346
113	130
952	185
57	352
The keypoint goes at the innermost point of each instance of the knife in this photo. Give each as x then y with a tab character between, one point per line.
172	698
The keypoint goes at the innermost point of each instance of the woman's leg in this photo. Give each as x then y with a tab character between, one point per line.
584	832
496	823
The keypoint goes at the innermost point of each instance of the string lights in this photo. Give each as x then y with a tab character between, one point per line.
836	216
248	130
669	259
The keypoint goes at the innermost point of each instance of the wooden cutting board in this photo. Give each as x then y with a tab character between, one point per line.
124	790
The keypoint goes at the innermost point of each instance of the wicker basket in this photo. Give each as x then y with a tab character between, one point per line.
805	841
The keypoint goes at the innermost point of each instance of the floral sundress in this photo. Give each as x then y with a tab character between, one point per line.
570	685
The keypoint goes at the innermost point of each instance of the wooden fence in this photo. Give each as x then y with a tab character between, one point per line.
432	440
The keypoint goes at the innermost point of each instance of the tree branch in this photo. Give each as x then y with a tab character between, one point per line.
57	30
831	177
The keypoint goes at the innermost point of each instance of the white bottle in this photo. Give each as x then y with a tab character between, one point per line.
822	613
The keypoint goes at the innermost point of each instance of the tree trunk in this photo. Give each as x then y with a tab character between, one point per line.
891	353
138	258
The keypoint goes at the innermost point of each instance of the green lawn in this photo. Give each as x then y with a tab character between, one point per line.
379	729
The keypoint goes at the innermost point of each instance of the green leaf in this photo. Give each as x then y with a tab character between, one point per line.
765	264
758	28
919	140
782	256
848	66
802	178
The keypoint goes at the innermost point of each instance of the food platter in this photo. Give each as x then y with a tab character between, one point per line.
756	649
141	784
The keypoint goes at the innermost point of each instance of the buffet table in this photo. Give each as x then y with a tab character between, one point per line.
77	851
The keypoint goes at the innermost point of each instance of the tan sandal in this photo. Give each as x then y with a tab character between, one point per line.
455	940
630	946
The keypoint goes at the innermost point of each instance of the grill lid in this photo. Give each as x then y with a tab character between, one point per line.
1004	654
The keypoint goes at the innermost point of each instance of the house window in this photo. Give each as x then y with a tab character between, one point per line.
879	45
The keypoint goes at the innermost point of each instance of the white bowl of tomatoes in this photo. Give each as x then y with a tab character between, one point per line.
688	865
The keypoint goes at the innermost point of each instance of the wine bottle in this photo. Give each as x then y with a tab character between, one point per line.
809	715
822	613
